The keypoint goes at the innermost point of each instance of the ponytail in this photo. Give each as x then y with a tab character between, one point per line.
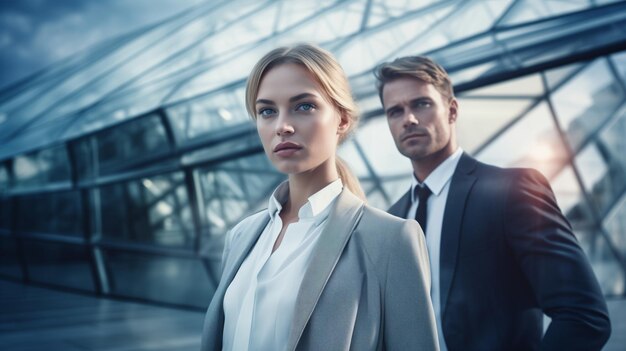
348	179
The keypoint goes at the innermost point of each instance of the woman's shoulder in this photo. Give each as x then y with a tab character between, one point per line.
381	228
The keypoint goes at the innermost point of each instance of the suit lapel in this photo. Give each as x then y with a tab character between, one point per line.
401	208
341	222
460	186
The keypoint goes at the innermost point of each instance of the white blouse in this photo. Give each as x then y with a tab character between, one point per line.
260	301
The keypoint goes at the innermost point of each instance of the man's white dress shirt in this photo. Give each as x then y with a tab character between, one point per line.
260	301
439	184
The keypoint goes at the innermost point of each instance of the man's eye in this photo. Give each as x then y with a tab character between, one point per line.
422	104
305	107
393	113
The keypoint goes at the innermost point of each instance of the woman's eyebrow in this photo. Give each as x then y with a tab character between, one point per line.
302	96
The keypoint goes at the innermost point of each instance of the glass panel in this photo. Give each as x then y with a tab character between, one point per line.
386	10
615	225
603	181
531	142
555	77
59	264
619	61
159	278
396	187
585	102
525	86
9	260
570	199
121	147
604	264
57	213
349	153
152	210
48	166
531	10
209	114
4	178
481	118
375	139
6	211
231	191
612	141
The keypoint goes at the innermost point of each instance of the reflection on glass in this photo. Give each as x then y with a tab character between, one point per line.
531	142
480	118
603	181
9	261
4	178
612	140
604	264
231	191
571	200
523	87
585	102
377	143
56	212
615	225
116	149
200	117
150	210
175	280
47	166
58	264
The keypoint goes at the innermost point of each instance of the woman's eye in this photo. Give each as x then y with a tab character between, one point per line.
265	112
305	107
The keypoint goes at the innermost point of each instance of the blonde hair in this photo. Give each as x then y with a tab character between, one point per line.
418	67
333	82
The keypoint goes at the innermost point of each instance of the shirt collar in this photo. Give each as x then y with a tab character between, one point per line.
440	176
316	208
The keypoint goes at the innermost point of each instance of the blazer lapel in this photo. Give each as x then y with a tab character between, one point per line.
240	250
214	322
341	222
460	186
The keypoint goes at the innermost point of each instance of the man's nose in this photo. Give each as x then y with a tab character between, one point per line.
410	118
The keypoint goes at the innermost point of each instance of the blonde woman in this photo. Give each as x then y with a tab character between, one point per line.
318	269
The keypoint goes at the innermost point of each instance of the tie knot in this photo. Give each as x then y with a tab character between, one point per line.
422	192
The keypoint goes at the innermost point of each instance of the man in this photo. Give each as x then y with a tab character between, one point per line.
501	252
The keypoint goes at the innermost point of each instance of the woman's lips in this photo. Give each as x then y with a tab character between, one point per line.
286	149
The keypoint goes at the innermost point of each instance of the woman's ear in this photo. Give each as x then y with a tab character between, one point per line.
344	123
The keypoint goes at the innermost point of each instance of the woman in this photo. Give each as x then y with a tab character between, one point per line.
319	269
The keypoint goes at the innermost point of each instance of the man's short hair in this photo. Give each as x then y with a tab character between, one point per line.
418	67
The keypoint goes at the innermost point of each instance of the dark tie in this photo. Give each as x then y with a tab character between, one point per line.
422	193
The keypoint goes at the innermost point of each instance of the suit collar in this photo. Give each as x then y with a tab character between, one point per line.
462	182
341	222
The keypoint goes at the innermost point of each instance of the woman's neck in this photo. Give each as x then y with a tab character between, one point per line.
303	185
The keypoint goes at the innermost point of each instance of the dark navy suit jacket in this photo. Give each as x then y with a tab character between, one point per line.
507	255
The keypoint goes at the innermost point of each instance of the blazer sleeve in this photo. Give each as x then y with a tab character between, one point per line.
409	320
556	267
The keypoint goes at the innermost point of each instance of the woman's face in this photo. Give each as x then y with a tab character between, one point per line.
298	126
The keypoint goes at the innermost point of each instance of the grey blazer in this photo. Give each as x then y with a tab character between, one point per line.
367	287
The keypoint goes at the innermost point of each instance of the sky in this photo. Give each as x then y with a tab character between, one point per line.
35	34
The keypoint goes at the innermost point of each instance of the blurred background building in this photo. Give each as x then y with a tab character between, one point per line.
123	166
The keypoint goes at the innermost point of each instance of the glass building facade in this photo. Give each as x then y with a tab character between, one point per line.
122	168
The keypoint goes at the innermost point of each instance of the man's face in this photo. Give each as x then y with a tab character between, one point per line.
421	120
